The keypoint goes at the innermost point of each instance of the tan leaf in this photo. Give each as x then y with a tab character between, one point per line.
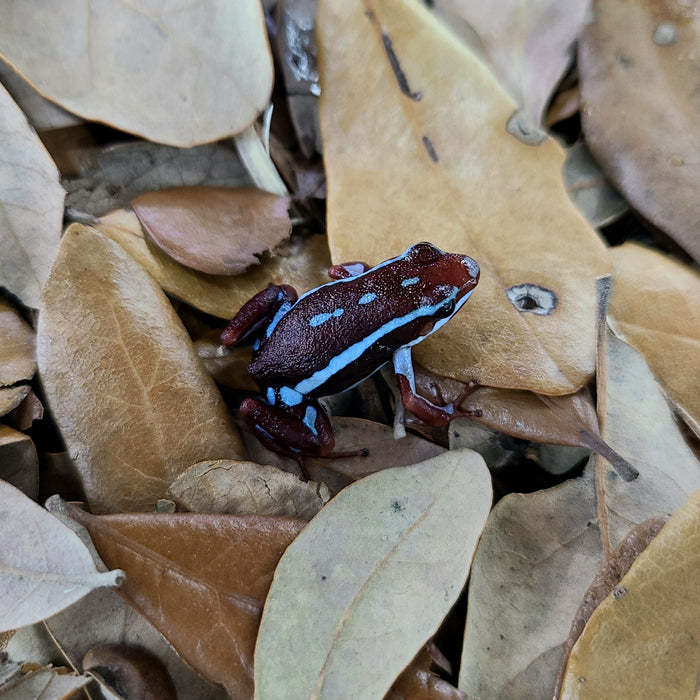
246	488
31	204
43	683
17	347
114	176
655	306
303	264
351	434
540	551
208	65
44	567
418	682
19	464
228	367
640	58
130	397
642	639
217	230
370	579
451	174
11	397
206	561
530	45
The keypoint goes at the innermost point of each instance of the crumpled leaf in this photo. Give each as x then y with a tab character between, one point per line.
44	683
118	174
302	264
19	464
31	204
206	561
220	231
642	639
366	593
640	58
132	401
530	45
539	552
44	567
246	488
655	306
209	66
385	452
451	174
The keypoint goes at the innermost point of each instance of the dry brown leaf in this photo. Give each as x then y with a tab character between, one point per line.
303	264
221	565
44	684
27	412
31	204
641	642
19	464
655	306
418	682
352	434
451	174
17	347
639	70
216	230
229	366
246	488
530	45
208	64
12	397
44	567
128	393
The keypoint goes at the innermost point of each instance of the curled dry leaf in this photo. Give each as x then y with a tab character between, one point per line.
19	464
128	393
217	230
642	639
31	203
655	306
205	560
530	45
418	681
540	551
44	567
302	263
43	683
246	488
364	593
638	73
451	174
209	66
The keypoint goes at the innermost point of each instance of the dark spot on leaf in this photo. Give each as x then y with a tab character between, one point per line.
397	506
398	71
431	149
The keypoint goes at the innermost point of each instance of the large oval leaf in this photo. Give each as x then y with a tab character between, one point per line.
181	74
370	579
134	404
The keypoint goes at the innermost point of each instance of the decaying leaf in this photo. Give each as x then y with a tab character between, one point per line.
133	403
118	174
44	567
530	45
370	579
209	66
639	72
302	264
451	174
31	204
246	488
216	230
655	306
19	464
43	683
203	560
351	434
540	551
642	639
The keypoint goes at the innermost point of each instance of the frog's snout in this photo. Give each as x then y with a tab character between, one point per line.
472	266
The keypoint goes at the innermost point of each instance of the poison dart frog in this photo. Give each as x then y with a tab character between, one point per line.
336	335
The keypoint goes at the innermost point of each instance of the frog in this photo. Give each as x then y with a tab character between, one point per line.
336	335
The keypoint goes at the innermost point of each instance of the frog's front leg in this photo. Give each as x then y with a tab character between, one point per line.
290	424
349	269
258	312
426	411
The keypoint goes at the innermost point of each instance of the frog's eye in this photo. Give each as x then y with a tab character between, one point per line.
423	254
446	309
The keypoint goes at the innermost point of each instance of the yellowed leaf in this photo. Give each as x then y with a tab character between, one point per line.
416	148
303	264
130	397
641	642
217	230
31	204
655	306
208	64
640	58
